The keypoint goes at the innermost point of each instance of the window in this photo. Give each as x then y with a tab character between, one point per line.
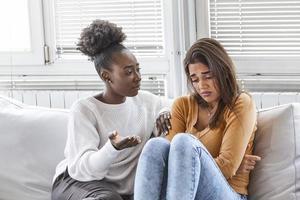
256	27
16	37
147	24
49	55
20	21
142	21
262	36
51	29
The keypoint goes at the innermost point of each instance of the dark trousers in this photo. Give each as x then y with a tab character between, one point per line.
67	188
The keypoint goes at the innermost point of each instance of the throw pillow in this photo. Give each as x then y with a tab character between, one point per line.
32	142
277	175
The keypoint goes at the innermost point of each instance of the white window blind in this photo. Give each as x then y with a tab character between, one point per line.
256	27
141	20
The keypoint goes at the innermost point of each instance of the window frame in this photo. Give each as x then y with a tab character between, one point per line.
149	65
44	34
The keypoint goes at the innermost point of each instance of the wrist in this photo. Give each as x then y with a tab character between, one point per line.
114	145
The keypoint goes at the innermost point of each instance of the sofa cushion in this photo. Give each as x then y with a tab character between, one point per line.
277	175
32	141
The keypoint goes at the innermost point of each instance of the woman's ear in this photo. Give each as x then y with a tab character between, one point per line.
105	76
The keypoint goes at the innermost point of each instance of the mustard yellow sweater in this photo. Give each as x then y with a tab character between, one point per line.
227	143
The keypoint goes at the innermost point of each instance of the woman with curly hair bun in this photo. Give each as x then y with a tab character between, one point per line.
107	132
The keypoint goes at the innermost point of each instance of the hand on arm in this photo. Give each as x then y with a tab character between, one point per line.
248	163
177	119
120	142
163	123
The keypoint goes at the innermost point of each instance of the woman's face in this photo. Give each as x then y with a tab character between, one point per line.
204	83
125	74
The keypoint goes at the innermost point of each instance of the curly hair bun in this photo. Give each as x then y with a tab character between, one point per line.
98	36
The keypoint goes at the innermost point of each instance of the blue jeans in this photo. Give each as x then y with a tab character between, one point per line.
180	170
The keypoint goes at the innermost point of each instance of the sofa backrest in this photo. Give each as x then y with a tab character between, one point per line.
64	99
32	141
277	175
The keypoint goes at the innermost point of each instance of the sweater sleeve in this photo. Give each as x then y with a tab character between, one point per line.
240	125
85	160
160	103
156	105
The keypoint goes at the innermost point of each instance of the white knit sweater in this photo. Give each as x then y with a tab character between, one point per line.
90	155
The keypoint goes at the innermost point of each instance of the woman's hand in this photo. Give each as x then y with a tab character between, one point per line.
248	163
163	124
120	142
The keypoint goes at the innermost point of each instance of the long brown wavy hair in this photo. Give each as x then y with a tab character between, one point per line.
211	53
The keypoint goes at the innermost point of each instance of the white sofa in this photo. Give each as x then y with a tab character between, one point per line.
32	140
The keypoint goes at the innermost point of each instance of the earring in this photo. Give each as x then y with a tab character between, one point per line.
109	81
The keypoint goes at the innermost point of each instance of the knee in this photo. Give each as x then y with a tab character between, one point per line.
185	143
183	140
156	147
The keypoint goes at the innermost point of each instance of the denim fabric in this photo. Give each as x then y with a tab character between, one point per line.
180	170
